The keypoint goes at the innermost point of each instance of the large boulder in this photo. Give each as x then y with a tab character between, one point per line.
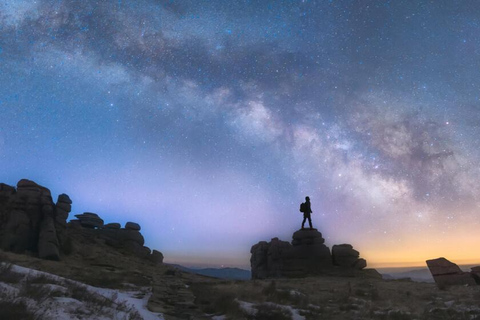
156	257
258	260
132	226
267	260
446	273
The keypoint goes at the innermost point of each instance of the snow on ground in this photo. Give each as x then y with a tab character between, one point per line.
61	298
250	308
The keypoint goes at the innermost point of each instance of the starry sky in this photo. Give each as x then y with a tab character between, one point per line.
208	122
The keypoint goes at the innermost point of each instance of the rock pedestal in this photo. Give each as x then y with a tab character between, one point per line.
306	255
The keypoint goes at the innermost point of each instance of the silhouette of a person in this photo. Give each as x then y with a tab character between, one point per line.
307	209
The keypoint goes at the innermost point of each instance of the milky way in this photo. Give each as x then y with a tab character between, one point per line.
208	122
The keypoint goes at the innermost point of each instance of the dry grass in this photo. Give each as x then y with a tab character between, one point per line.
15	310
339	298
267	311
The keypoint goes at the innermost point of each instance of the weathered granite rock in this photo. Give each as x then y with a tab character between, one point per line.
258	260
117	237
475	273
307	255
345	256
64	198
6	190
48	244
446	273
267	259
476	270
62	210
156	257
27	220
112	225
31	222
90	220
132	226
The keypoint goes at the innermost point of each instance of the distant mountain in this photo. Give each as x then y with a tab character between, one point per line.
418	274
221	273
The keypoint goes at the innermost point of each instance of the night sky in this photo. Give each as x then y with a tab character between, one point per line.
208	122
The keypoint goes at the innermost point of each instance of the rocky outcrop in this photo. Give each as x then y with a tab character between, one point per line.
30	222
156	257
27	220
446	273
476	271
344	255
306	255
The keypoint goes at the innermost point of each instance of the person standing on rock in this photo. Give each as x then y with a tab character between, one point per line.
306	209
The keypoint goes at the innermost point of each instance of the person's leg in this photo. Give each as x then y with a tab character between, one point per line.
310	221
303	222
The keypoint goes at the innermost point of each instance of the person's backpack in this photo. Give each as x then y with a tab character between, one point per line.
302	207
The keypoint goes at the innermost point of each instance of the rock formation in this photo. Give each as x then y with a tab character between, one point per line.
30	222
89	220
446	273
345	256
306	255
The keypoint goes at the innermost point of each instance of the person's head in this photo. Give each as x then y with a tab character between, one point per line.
307	198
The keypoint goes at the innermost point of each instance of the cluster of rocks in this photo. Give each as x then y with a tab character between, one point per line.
306	255
446	273
128	238
30	222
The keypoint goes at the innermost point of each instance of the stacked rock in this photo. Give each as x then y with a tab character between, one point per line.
132	226
344	255
89	220
27	216
62	209
310	255
307	255
268	258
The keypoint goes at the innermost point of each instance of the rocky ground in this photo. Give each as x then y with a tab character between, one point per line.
173	294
